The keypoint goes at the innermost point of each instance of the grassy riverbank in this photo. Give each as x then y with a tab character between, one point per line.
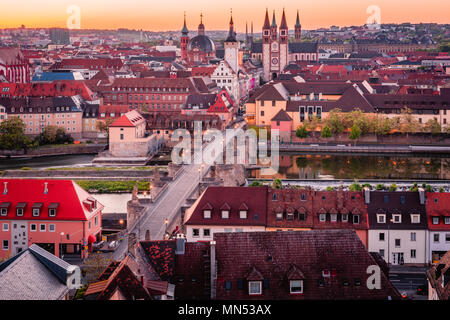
98	186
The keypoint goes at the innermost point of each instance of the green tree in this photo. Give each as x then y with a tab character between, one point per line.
355	132
12	135
256	184
301	132
54	135
336	121
103	126
277	184
433	127
393	187
326	133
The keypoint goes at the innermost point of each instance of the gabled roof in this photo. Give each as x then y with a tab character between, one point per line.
439	277
229	198
130	119
34	274
281	116
68	194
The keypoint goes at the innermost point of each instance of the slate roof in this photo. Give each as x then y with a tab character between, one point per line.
303	47
130	119
234	197
34	274
389	203
203	101
275	254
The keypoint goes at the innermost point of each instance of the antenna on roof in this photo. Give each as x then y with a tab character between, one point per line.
5	190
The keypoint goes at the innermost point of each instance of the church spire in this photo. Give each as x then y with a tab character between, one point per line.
297	23
231	34
185	30
283	21
266	20
201	26
274	23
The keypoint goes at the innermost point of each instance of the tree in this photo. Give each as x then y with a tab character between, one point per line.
326	133
336	121
94	266
103	125
383	126
277	184
54	135
301	132
355	132
12	135
408	124
433	127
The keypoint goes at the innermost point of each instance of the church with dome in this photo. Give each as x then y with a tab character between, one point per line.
198	50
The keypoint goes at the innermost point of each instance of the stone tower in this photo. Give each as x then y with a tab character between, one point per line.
284	43
298	29
231	46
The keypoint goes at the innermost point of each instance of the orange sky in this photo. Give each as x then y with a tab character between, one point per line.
168	14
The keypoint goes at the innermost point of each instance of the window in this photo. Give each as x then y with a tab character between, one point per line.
402	199
207	214
415	218
344	217
51	228
42	227
279	215
19	211
386	199
243	214
436	237
447	237
33	227
333	217
195	232
301	217
303	197
397	218
273	103
95	220
225	214
254	288
397	243
4	211
296	286
382	253
228	285
5	227
322	217
447	220
326	273
356	219
435	220
413	253
413	236
206	232
381	236
381	218
5	245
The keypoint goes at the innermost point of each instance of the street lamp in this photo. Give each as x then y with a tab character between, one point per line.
166	222
61	235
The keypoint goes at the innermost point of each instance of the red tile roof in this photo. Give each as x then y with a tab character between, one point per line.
67	194
438	205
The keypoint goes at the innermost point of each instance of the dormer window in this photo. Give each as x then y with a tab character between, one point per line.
255	288
20	208
322	217
356	219
415	218
225	214
435	220
4	208
397	218
243	214
333	217
37	209
326	273
381	218
344	217
207	214
446	220
296	286
279	215
52	208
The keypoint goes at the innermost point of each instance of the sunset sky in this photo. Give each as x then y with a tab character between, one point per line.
168	14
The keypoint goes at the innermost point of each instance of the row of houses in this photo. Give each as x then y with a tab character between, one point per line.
298	101
411	228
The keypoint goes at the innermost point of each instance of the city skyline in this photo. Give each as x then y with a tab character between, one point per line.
141	15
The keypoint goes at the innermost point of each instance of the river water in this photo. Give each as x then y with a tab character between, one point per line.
47	161
369	167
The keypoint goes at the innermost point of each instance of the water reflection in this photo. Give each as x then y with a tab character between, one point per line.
319	166
47	161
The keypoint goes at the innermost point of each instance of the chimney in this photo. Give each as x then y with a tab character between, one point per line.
367	195
213	269
5	190
45	187
422	195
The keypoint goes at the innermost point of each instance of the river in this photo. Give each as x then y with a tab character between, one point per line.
47	161
369	167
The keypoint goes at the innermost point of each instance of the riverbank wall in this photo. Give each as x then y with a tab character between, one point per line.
54	151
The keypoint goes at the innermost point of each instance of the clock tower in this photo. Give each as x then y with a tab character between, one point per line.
231	46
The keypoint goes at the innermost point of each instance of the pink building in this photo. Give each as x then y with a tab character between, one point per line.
57	215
